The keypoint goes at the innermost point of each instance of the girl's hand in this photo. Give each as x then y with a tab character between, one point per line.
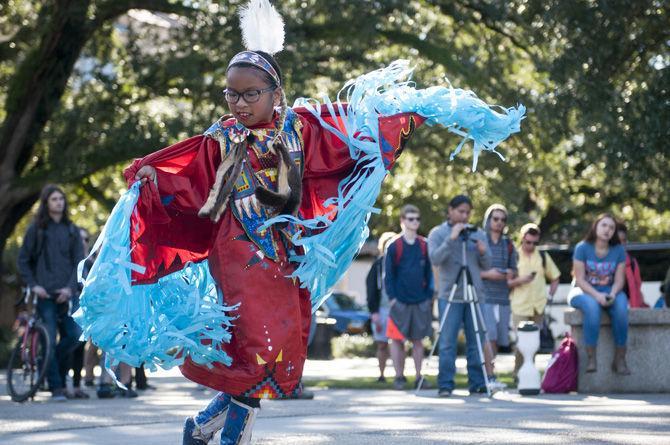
146	173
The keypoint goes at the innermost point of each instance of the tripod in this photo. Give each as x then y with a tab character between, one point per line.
471	298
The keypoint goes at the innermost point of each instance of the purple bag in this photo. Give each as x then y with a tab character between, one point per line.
563	368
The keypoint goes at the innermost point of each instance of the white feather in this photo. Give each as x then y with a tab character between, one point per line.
262	27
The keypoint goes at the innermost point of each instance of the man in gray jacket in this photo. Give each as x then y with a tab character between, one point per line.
445	244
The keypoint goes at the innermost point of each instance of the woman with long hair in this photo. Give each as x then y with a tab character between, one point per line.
47	263
599	264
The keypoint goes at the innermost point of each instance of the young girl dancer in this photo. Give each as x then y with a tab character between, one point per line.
236	234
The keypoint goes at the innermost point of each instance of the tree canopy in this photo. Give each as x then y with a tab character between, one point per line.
86	85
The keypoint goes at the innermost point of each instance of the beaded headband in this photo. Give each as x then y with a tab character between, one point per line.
256	60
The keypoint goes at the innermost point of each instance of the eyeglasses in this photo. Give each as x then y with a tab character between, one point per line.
250	96
413	218
496	219
534	243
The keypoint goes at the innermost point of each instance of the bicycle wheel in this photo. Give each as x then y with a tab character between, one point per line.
28	364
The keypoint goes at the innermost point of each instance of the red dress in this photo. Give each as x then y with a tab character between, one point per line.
269	335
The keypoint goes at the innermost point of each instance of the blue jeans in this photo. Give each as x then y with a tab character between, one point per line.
459	313
592	311
57	320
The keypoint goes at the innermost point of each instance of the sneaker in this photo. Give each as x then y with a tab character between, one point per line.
89	383
145	387
444	392
305	394
399	383
495	385
127	393
76	393
381	379
79	394
58	395
106	391
478	390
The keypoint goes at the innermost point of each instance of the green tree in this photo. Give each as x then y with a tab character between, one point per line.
44	106
88	84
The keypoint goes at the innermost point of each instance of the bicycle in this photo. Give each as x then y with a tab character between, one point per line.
30	357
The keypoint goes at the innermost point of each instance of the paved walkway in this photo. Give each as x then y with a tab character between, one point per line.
348	417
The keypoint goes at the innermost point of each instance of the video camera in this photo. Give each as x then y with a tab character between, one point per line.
467	230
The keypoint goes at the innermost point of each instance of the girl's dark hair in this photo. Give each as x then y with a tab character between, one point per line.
591	235
458	200
42	217
271	60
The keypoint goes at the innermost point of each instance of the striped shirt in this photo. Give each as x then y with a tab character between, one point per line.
497	291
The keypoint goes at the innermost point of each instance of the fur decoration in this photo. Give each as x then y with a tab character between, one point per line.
286	200
218	197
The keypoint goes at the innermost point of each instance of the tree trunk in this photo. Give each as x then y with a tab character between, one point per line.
18	204
35	91
39	83
37	88
552	217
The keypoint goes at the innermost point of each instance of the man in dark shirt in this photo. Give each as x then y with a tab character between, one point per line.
47	262
409	285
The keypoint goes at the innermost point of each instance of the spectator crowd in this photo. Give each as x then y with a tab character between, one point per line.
507	283
458	263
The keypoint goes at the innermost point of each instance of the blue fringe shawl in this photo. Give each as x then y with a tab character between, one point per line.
160	324
156	324
385	92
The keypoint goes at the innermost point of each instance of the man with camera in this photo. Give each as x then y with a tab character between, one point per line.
445	248
529	290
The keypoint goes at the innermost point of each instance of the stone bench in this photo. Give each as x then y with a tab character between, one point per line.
648	355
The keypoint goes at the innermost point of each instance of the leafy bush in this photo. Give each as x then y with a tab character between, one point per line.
346	346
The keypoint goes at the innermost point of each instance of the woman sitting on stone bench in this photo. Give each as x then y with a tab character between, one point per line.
599	264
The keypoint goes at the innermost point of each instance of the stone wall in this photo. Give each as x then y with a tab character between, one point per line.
648	353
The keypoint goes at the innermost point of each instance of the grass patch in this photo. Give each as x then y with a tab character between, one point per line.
461	381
